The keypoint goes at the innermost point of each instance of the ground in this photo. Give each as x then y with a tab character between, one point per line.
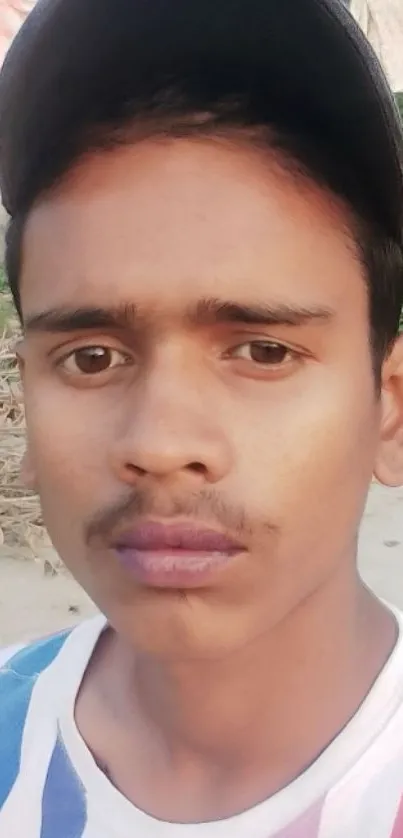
33	603
381	544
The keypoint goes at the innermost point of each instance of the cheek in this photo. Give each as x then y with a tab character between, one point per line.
309	450
67	442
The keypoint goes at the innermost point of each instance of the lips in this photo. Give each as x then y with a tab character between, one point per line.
155	536
176	556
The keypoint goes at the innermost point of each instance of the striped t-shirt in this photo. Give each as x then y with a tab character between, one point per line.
51	787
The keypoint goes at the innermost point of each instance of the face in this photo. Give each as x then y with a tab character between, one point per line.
197	359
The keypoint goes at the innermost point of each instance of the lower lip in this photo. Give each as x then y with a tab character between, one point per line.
173	569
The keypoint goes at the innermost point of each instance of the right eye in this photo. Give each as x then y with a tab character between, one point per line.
93	360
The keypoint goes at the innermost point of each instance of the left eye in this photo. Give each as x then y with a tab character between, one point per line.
263	352
92	360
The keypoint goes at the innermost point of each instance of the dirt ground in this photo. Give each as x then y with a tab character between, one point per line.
33	603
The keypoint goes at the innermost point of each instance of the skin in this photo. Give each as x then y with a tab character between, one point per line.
12	16
186	424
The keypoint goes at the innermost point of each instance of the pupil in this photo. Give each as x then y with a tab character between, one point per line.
93	359
264	353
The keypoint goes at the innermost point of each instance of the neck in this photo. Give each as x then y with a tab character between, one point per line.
324	659
265	712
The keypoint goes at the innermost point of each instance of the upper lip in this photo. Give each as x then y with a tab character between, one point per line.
154	535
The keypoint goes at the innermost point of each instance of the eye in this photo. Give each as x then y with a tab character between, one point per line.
264	352
93	360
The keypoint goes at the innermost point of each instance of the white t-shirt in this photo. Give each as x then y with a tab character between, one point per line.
51	787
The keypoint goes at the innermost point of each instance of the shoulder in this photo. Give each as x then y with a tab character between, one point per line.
30	659
24	663
20	668
33	680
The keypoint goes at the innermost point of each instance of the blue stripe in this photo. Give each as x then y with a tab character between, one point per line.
33	659
17	680
64	805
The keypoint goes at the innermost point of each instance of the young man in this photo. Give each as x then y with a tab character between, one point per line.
206	254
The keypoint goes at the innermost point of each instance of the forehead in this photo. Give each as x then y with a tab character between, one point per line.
162	223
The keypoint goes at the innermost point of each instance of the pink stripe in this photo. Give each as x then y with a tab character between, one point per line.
308	825
398	827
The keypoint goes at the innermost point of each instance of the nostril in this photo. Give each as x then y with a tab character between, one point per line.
199	468
139	472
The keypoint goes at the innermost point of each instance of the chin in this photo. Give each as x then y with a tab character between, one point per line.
176	626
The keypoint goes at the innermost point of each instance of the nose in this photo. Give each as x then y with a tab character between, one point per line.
170	431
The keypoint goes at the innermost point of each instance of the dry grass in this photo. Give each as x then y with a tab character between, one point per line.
21	527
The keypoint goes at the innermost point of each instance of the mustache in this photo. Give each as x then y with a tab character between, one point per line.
206	507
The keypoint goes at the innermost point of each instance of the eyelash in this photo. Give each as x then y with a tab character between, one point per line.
108	350
289	353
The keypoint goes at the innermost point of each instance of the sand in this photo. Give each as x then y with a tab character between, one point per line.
34	603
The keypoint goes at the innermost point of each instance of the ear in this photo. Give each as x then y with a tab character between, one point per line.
389	461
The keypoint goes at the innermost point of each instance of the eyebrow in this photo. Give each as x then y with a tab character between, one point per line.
205	312
85	318
211	311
